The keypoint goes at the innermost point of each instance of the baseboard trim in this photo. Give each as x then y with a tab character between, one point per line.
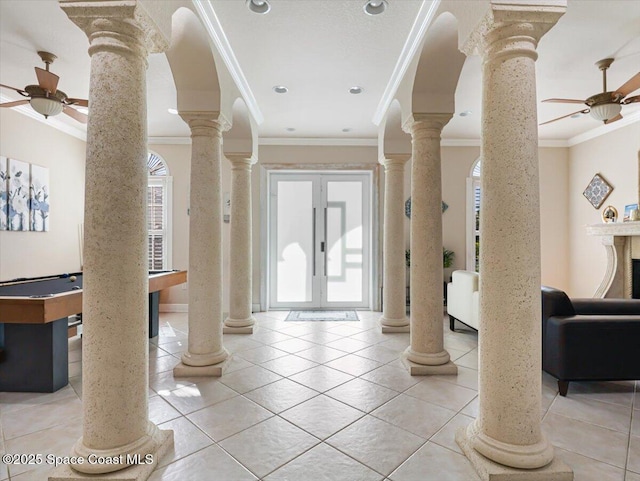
174	307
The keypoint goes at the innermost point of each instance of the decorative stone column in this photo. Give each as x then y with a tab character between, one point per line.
394	308
206	354
240	320
426	354
115	284
507	433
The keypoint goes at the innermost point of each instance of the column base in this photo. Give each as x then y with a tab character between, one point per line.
416	369
392	329
238	326
237	330
394	325
214	370
203	360
130	464
489	470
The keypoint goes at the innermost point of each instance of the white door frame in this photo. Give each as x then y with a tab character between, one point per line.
371	172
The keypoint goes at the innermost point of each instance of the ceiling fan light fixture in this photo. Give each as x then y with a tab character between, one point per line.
605	111
375	7
46	106
259	6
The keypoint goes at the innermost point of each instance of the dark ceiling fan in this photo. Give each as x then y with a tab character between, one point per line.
605	106
45	98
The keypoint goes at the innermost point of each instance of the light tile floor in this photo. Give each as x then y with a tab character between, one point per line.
312	401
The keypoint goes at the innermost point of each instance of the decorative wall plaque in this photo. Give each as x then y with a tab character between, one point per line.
597	191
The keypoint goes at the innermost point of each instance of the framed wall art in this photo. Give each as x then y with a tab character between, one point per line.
597	191
39	198
4	193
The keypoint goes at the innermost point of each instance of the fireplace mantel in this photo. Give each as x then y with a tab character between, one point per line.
615	228
618	240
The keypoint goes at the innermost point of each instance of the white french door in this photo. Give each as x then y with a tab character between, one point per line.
319	240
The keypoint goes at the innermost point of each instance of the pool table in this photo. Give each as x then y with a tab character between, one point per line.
34	321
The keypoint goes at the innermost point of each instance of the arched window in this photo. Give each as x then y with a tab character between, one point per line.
473	216
159	192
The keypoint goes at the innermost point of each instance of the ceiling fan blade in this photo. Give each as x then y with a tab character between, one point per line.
14	104
47	80
631	100
73	113
613	119
585	111
21	92
630	85
78	102
565	101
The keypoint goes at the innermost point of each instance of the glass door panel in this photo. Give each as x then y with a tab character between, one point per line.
294	241
344	233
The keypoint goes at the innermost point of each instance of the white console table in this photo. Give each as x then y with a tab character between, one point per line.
622	242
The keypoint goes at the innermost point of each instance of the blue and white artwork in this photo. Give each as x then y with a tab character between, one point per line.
4	192
39	198
18	196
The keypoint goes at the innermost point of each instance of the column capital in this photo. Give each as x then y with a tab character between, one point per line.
509	19
207	124
426	124
205	118
134	28
390	160
241	158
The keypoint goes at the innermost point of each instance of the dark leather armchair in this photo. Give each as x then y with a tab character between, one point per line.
589	339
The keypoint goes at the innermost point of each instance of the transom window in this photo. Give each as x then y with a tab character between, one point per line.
159	193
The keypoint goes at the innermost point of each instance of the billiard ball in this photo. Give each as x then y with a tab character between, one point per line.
72	278
65	275
74	288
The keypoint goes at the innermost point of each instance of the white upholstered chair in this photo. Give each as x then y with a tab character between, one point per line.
463	299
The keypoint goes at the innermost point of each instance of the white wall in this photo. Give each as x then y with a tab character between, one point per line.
31	254
615	157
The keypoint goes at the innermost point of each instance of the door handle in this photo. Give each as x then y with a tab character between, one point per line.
322	244
314	242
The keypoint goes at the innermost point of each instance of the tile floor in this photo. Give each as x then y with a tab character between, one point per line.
311	401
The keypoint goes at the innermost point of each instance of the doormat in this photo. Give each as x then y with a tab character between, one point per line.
322	316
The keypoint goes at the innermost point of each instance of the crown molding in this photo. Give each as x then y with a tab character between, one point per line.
414	40
215	31
319	141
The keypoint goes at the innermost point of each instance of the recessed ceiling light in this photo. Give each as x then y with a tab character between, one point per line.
466	113
355	90
281	89
346	130
259	6
172	111
290	129
375	7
